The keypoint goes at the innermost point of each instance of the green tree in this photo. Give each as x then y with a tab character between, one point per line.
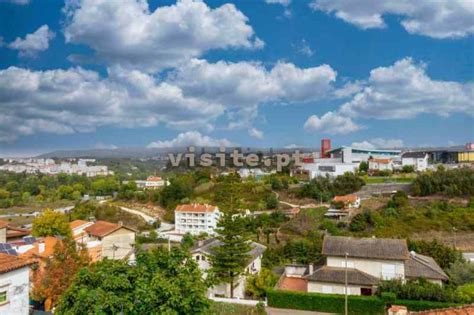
442	254
161	282
363	167
257	285
51	223
232	256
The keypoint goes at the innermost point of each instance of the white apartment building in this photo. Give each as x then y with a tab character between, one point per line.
196	218
419	160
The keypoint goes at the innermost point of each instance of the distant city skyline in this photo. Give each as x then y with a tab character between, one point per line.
98	74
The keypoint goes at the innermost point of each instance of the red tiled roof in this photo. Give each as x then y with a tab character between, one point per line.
102	228
293	284
154	178
49	244
16	232
77	223
3	224
346	198
461	310
195	208
381	161
10	263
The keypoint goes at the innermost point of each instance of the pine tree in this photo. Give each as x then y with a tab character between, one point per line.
230	258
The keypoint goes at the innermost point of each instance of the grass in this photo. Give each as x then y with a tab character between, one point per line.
383	180
218	308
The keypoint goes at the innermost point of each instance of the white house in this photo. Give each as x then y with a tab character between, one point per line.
105	239
380	164
196	218
203	249
419	160
153	182
14	285
349	201
369	260
330	167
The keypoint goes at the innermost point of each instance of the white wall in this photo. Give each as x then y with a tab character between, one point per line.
122	239
371	266
17	285
334	288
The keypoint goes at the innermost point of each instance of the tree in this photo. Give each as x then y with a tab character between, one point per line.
272	201
59	272
257	285
51	223
363	167
162	282
231	257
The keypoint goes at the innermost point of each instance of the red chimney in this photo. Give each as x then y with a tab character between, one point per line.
325	147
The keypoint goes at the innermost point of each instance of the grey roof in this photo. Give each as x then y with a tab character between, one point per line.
421	266
337	275
416	155
206	247
374	248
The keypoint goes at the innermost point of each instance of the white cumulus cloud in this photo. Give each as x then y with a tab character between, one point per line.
127	33
256	133
190	138
33	43
404	90
78	100
331	123
379	143
433	18
282	2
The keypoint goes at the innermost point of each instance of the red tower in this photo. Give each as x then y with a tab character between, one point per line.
325	147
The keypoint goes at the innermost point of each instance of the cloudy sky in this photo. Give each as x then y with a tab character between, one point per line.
280	73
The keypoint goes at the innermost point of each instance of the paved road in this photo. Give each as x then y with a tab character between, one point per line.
145	217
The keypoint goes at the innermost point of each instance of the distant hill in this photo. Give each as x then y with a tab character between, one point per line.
143	153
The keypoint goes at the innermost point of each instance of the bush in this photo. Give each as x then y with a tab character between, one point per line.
467	292
419	290
455	182
331	303
388	297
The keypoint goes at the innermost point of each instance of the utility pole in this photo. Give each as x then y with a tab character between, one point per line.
114	248
454	232
345	286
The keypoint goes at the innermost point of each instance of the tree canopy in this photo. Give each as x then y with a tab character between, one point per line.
51	223
161	282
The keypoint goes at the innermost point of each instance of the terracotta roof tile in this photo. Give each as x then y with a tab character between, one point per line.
3	224
346	198
10	263
154	179
293	284
381	161
461	310
49	244
195	207
102	228
77	223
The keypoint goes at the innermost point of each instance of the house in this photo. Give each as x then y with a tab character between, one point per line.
196	218
376	164
104	239
349	201
14	284
201	252
293	278
419	160
9	233
369	260
153	182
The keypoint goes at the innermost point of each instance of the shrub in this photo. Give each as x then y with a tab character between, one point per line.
331	303
388	297
467	292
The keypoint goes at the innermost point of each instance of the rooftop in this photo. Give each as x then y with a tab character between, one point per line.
293	284
368	151
195	207
103	228
416	155
207	245
10	263
421	266
373	248
337	275
77	223
346	198
381	161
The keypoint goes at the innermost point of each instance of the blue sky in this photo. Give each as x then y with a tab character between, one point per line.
96	74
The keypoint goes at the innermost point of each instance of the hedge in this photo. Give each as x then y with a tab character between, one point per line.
330	303
421	305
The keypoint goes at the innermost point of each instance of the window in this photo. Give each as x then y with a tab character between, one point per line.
197	257
203	258
3	297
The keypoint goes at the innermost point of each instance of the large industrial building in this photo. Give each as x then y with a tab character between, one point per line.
450	155
357	155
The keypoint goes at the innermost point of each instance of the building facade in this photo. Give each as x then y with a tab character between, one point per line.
196	218
14	285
